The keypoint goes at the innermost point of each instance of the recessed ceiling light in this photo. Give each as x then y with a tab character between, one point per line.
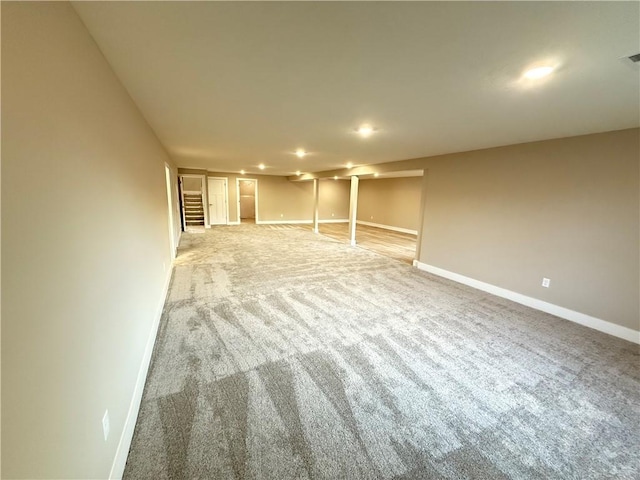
261	166
242	172
376	174
365	130
335	178
300	153
538	72
297	172
349	164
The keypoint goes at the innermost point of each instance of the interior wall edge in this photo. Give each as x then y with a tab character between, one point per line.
387	227
122	451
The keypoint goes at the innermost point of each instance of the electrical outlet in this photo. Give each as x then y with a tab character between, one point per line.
546	282
105	424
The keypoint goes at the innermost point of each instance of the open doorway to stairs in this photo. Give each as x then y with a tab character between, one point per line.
192	202
247	189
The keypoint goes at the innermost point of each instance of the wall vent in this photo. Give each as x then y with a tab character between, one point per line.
635	58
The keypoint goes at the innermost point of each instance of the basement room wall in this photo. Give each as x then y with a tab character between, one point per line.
565	209
333	199
191	184
85	245
392	202
281	200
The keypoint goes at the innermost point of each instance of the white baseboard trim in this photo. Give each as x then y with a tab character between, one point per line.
300	222
282	222
233	223
387	227
335	220
562	312
122	452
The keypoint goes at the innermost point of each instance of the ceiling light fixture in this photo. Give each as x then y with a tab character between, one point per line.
365	130
300	153
298	172
538	72
242	172
335	178
376	174
349	164
261	166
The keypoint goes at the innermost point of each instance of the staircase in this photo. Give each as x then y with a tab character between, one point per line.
193	209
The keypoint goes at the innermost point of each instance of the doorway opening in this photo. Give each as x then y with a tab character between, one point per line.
192	200
172	236
247	189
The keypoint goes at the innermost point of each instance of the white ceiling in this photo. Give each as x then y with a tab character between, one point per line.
227	86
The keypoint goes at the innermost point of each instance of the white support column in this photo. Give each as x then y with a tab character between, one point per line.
316	201
353	209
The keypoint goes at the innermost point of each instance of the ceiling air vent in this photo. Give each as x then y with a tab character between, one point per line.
635	58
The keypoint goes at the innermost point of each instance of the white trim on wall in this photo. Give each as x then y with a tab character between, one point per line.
334	220
562	312
387	227
122	452
172	234
296	222
283	222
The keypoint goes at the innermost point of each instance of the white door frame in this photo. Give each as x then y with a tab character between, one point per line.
226	196
205	197
255	197
170	204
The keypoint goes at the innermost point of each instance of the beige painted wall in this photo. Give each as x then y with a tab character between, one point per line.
282	200
191	184
84	242
279	199
390	201
564	209
334	199
247	188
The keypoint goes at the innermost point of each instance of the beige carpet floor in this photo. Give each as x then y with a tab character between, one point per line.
287	355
